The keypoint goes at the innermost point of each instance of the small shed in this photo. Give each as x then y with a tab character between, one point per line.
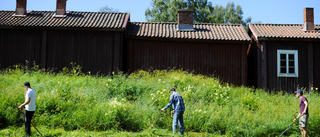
285	56
202	48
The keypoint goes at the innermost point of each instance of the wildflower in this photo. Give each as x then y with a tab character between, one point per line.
27	61
316	88
159	80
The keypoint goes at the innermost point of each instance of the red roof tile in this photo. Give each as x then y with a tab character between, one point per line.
97	20
202	31
283	31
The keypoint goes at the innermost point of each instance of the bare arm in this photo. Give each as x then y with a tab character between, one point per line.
25	103
305	108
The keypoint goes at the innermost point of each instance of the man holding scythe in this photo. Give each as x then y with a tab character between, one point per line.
303	111
178	109
30	106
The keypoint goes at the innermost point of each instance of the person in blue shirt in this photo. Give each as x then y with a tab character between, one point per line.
178	109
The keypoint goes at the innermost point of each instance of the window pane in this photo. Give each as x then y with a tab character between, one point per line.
283	64
291	70
291	63
283	56
291	56
283	70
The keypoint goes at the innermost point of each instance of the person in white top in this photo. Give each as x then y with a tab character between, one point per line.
30	106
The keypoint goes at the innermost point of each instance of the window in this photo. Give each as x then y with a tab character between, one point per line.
287	63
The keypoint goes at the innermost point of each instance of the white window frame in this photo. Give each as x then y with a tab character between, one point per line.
296	70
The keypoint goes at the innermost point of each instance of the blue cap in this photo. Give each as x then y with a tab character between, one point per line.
299	91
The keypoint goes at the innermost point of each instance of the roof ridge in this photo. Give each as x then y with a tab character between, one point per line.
137	22
66	11
274	24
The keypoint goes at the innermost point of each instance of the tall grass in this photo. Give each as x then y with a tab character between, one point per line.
121	102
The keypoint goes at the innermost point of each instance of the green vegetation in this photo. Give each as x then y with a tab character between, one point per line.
70	103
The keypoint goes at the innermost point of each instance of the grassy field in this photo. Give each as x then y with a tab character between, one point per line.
71	103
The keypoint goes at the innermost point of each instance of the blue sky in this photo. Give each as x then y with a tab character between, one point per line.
265	11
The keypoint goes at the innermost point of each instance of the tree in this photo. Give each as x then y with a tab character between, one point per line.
107	9
204	12
164	10
234	15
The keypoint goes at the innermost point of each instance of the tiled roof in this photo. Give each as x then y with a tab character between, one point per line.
283	31
203	31
97	20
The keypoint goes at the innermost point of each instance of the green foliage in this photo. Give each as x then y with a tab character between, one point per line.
204	12
108	9
122	103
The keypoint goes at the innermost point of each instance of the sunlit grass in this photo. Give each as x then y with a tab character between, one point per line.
71	103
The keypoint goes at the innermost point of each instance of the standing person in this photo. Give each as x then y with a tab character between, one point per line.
178	109
303	111
30	106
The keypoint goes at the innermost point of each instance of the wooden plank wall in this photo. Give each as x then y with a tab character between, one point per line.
316	65
222	60
18	46
253	60
288	84
95	51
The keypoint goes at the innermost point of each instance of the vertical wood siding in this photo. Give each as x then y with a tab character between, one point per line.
18	46
316	65
95	51
92	51
225	61
288	84
253	60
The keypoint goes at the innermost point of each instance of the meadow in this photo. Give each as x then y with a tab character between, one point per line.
71	103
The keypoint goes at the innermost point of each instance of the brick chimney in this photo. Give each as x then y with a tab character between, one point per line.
185	20
21	8
61	8
308	21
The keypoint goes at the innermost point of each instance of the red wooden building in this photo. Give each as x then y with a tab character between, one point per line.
285	56
105	42
54	39
211	49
